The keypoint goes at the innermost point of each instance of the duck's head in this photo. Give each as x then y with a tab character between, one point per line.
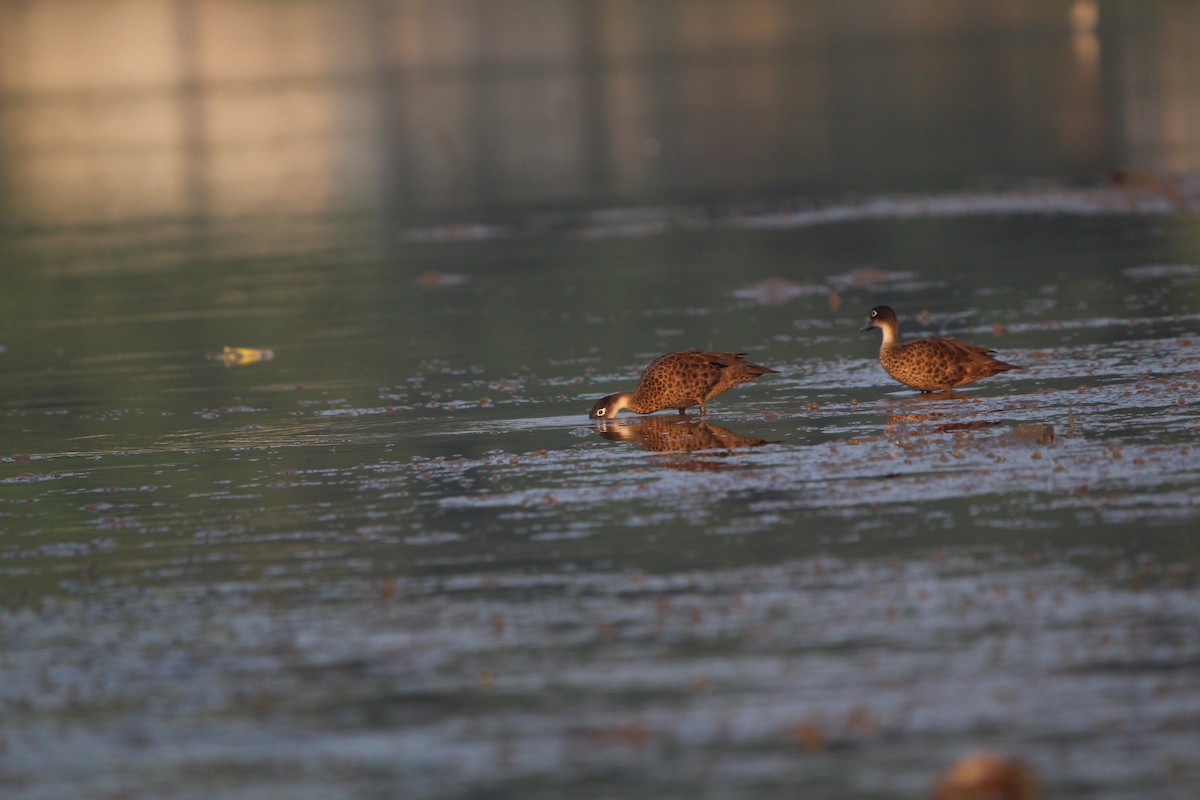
607	407
880	317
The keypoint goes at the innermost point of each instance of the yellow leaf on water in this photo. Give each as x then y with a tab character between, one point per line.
238	356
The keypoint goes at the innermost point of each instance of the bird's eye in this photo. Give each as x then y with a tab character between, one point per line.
602	412
874	313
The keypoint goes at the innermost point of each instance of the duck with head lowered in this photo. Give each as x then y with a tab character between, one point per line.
934	364
681	380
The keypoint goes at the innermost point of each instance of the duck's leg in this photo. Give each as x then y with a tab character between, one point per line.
703	410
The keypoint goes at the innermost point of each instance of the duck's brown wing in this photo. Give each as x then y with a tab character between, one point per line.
677	380
718	356
975	359
735	360
962	351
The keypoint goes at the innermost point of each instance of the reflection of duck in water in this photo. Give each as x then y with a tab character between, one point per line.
680	380
675	435
930	365
912	424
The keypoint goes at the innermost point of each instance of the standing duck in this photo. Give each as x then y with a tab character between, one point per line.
680	380
930	365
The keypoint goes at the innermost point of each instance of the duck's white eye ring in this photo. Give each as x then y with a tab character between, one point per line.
874	313
602	412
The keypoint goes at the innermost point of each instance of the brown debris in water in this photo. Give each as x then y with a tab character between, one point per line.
1141	181
809	736
1041	434
870	277
775	291
987	776
632	735
974	425
440	280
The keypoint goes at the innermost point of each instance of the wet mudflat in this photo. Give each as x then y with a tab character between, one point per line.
396	558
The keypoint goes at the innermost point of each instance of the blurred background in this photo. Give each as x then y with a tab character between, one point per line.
141	110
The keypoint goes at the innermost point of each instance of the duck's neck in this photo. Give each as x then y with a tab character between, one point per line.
622	400
891	332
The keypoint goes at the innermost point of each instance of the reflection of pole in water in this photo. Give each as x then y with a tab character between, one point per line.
1085	42
596	145
192	111
398	181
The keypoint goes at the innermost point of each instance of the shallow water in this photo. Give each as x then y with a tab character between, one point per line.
395	558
